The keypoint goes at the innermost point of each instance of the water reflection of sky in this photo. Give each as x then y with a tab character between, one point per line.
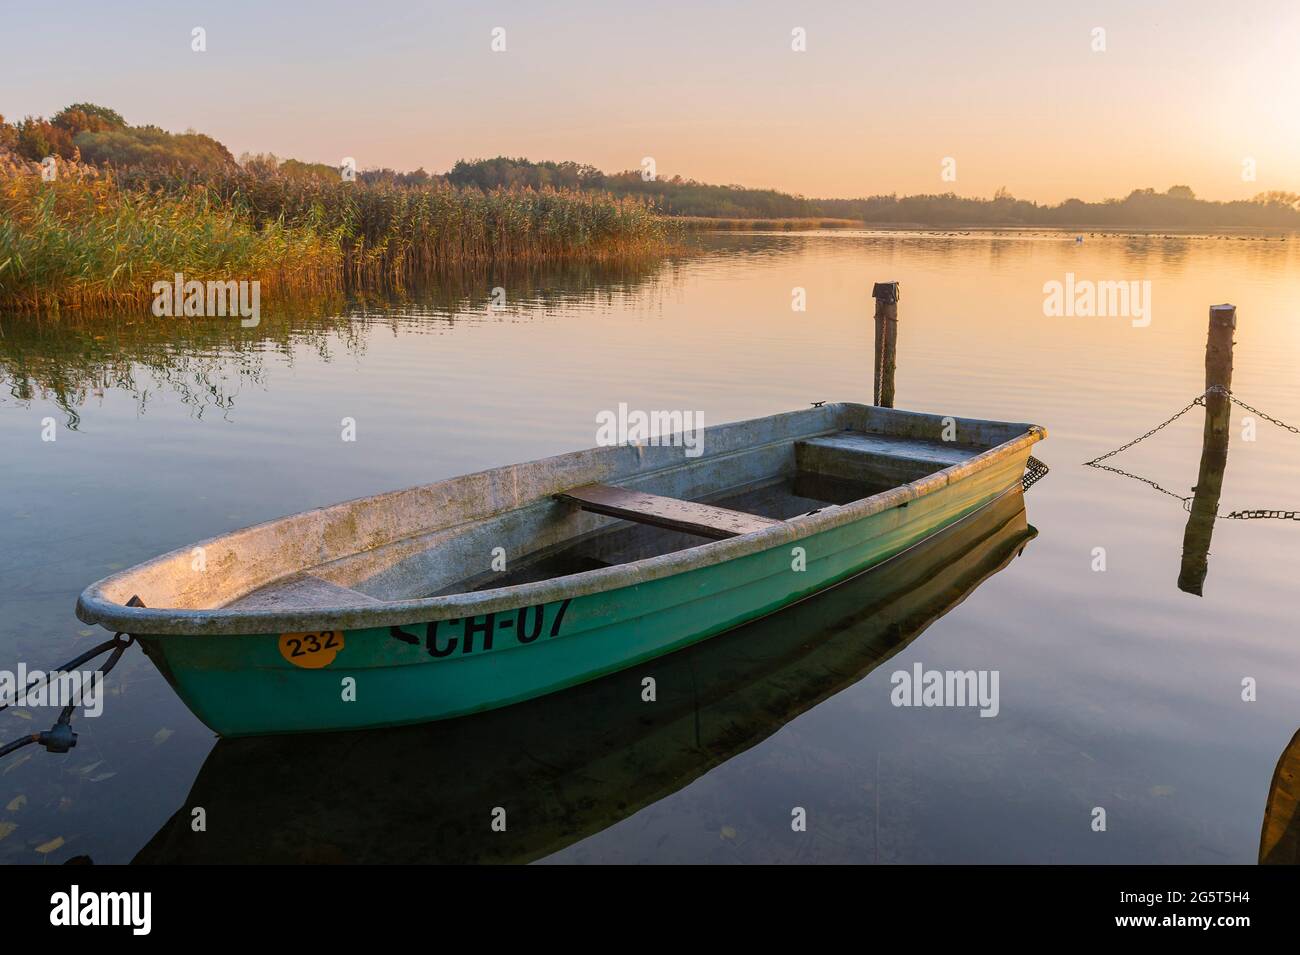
1118	690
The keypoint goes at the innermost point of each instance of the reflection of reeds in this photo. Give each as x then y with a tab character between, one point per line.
86	243
205	362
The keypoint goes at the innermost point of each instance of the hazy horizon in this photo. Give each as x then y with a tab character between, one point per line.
1183	93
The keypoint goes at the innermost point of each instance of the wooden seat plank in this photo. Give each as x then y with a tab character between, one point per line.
667	512
909	449
878	459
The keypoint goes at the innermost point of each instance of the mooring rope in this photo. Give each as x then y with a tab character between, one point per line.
60	738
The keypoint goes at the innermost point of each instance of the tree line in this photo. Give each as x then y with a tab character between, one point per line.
101	137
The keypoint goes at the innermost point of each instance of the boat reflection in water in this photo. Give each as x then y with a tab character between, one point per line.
571	764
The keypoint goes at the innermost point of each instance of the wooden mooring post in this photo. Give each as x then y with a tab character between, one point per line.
886	296
1214	451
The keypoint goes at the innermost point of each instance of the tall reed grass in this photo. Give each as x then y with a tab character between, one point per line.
84	242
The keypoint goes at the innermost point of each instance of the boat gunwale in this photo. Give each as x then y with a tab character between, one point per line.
95	608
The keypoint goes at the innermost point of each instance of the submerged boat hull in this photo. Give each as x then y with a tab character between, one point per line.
482	651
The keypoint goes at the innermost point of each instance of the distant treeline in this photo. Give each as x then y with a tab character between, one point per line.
1176	208
100	136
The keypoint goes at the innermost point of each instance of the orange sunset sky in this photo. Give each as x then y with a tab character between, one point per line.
1014	91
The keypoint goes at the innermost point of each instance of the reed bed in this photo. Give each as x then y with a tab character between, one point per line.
393	231
85	243
103	242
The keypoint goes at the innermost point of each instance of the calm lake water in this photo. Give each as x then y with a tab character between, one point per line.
1117	689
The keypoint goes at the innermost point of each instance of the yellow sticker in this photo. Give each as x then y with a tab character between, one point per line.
311	650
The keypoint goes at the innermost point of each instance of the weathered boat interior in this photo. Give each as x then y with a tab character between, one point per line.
563	515
652	510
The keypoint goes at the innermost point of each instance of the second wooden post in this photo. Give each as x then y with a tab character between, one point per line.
1204	506
886	296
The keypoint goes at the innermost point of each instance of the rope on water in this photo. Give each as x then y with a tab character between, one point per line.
60	738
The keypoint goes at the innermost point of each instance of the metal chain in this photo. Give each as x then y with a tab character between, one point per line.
1198	400
1137	477
1256	515
1244	515
1267	417
1035	471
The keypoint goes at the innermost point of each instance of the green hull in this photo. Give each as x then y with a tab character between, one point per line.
560	774
243	684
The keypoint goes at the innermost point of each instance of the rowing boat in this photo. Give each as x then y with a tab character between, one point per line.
564	776
500	586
